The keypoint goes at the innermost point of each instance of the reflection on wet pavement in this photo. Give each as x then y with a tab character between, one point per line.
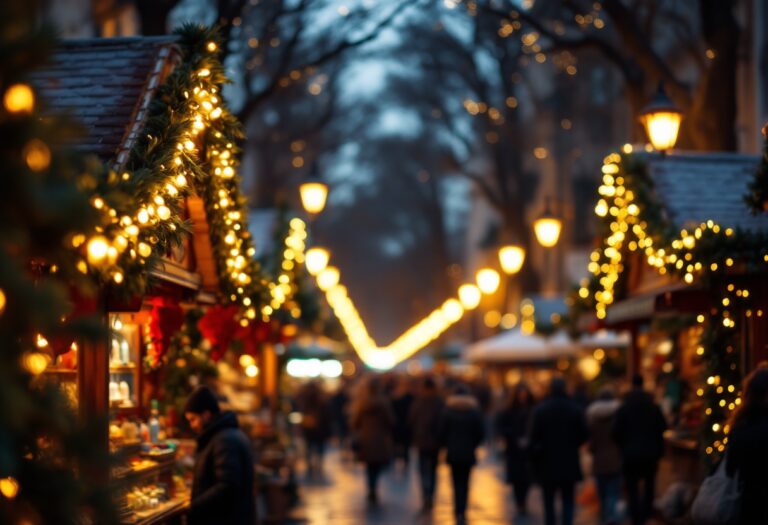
339	498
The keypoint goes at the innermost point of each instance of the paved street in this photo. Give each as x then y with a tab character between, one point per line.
339	499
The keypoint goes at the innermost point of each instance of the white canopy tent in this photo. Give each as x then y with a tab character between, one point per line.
605	339
513	346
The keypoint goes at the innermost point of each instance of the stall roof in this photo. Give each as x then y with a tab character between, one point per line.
513	346
696	187
106	84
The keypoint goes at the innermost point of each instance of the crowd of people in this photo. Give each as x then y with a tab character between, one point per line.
543	439
385	417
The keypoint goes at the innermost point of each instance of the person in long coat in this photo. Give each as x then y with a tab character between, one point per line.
512	425
402	399
372	423
461	432
558	429
424	420
747	454
222	489
606	458
638	430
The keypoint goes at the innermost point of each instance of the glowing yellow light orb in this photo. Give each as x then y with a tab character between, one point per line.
19	98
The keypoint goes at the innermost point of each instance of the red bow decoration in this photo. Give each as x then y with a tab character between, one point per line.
219	326
165	320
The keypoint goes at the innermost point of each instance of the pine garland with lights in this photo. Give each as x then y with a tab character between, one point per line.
633	220
43	443
757	198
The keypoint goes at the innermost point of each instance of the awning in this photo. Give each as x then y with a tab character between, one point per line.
674	298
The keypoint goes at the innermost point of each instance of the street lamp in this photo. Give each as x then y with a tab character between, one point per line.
316	260
511	258
488	280
313	192
661	118
547	228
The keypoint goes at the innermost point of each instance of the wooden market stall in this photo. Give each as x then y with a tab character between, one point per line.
108	85
682	267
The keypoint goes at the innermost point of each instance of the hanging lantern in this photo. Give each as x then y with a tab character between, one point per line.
661	118
547	228
488	280
313	192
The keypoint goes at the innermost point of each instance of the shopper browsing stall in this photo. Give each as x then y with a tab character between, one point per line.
222	491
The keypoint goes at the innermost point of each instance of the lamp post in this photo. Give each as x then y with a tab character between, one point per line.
488	280
313	192
661	119
511	259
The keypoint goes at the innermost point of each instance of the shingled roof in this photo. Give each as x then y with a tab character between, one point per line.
696	187
106	84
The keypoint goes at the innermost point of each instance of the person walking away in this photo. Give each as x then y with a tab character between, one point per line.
558	429
638	430
424	420
339	411
372	422
222	490
747	455
461	432
315	425
402	399
606	458
512	425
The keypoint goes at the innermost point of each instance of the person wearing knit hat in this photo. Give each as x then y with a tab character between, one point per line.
222	490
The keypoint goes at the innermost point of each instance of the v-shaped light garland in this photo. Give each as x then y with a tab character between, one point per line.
407	344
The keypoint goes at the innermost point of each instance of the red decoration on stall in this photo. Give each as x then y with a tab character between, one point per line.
166	318
219	326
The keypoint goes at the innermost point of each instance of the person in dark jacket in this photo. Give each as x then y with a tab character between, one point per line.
461	432
402	399
606	458
424	420
512	425
558	429
315	425
372	422
222	490
638	430
747	455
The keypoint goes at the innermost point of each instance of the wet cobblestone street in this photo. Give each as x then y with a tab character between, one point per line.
339	498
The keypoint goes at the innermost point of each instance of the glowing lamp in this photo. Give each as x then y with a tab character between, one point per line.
469	295
328	278
547	228
316	260
661	118
511	258
488	280
313	192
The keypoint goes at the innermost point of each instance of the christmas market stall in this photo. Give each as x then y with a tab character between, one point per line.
682	265
173	252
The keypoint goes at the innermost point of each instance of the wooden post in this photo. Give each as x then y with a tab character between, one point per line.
93	389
